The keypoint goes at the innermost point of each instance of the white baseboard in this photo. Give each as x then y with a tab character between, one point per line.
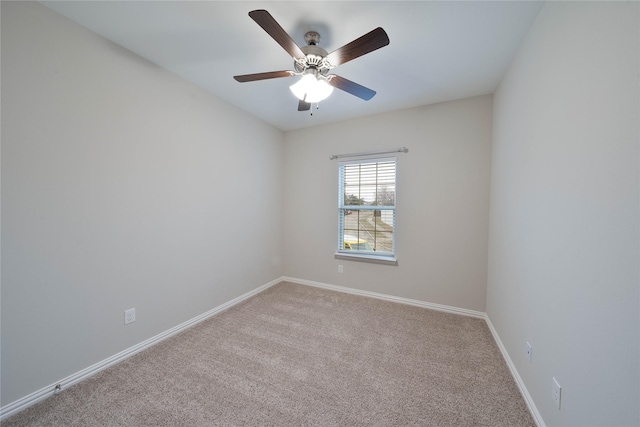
537	417
385	297
33	398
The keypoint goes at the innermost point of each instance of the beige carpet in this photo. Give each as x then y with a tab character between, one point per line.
296	355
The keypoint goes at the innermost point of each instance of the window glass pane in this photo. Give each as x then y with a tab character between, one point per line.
384	241
351	222
370	184
367	188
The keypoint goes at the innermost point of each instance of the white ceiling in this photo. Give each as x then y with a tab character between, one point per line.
438	51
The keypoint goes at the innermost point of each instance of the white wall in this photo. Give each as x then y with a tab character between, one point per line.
442	202
564	235
122	186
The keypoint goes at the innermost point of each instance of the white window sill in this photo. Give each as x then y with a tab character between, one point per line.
376	259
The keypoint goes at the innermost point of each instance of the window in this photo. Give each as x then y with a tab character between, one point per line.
366	209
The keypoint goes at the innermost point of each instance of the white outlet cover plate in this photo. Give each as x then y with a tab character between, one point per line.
129	316
556	392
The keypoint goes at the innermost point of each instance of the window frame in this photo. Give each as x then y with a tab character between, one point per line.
387	257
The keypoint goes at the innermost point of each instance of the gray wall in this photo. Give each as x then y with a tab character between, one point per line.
122	186
442	202
563	263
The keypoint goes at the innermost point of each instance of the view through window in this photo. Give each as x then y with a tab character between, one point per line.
367	205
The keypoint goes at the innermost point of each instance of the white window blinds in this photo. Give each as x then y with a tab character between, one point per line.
366	206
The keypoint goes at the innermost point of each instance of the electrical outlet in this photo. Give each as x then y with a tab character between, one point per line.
529	349
556	392
340	269
129	316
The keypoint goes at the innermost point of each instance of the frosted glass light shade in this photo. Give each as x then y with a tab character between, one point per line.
311	89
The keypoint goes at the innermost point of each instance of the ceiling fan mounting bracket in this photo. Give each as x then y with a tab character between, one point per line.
311	38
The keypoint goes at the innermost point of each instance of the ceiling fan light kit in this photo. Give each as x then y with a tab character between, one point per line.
313	64
312	88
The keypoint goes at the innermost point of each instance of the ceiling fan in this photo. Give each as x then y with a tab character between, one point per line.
313	63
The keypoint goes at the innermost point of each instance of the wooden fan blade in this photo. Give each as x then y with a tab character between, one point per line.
368	43
304	106
263	76
351	87
271	26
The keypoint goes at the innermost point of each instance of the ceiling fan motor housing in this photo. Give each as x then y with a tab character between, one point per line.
314	58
